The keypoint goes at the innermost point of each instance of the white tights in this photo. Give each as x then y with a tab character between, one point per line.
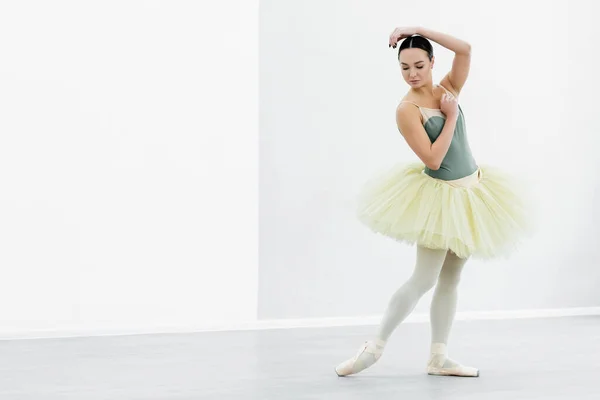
433	266
439	268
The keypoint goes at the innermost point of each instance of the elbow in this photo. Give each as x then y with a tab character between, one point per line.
467	50
433	165
431	162
464	49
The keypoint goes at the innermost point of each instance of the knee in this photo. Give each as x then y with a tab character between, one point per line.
423	284
448	281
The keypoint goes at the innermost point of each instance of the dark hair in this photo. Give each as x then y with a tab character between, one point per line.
418	42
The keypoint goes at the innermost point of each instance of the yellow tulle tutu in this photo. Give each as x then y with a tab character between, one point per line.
484	220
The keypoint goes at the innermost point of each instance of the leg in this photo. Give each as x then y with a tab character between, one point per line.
426	272
443	310
403	302
445	298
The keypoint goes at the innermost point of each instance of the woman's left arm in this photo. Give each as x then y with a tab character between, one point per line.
461	64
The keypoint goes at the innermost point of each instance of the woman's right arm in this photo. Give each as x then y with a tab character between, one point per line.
409	125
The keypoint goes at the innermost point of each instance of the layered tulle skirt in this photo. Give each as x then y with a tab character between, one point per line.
484	215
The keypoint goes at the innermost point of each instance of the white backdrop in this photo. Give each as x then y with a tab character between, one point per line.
128	165
329	86
129	158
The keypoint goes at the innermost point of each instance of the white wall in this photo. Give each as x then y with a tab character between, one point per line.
329	86
128	158
128	165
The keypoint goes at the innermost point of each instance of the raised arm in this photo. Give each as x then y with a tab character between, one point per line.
461	64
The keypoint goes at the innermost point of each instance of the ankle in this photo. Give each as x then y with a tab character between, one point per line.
439	348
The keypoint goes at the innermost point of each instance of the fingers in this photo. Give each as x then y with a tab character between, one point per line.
393	38
448	98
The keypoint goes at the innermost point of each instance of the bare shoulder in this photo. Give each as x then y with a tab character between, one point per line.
407	109
407	116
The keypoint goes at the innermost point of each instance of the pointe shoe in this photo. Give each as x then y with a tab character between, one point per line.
438	359
369	353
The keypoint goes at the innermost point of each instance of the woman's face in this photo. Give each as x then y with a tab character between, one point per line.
416	67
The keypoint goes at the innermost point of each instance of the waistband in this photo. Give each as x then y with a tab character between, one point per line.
465	182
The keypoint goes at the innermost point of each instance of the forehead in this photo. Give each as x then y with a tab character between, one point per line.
412	56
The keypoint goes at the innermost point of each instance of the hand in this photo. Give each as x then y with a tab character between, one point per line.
401	33
449	105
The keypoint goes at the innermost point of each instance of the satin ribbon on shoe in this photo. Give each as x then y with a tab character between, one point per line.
369	353
438	359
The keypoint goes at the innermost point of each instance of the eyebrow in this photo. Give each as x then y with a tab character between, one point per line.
415	63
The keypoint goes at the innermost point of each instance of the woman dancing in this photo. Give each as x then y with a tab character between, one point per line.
451	207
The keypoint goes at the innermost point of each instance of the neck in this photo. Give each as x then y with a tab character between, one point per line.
425	90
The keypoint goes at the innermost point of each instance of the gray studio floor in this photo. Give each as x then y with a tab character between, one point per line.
555	358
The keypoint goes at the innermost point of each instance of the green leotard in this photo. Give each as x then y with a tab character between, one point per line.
459	161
